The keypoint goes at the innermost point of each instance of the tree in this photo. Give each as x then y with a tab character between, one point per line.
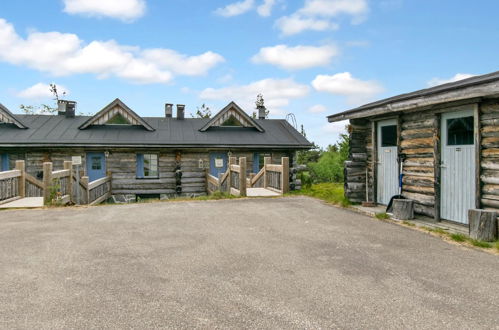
202	112
260	103
43	108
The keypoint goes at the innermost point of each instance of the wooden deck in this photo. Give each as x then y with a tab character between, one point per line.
27	202
260	192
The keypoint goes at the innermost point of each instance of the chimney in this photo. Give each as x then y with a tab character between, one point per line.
168	110
66	108
180	111
261	111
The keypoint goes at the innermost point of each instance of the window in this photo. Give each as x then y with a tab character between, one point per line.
96	163
118	119
389	136
4	162
232	121
460	131
147	166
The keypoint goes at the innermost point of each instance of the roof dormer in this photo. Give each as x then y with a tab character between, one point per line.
232	116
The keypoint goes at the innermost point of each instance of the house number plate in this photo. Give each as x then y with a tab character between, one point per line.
219	162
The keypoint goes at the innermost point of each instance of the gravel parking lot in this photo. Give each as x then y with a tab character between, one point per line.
247	263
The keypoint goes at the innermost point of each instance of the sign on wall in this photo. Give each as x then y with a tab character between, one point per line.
76	160
219	162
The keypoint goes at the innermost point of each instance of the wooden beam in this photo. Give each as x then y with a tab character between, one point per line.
47	181
21	167
242	176
478	152
84	183
68	165
374	138
437	159
285	175
10	174
266	161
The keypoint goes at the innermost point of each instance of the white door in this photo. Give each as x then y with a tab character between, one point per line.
457	166
387	170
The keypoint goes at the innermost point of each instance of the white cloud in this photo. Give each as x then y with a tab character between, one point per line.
183	64
41	91
294	24
126	10
63	54
265	9
338	127
276	92
456	77
332	8
317	15
318	108
236	8
298	57
357	91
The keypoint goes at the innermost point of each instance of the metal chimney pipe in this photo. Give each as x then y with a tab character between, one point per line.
180	111
168	110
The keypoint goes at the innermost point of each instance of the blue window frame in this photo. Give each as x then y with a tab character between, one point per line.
147	166
4	162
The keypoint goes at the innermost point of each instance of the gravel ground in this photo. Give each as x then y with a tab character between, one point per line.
247	263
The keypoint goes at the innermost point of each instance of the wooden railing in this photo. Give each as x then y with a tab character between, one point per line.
9	186
97	191
57	187
272	176
233	181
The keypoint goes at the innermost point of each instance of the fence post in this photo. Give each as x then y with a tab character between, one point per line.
21	166
47	181
84	181
266	161
232	161
242	176
68	165
109	174
285	175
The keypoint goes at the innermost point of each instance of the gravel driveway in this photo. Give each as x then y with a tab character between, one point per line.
247	263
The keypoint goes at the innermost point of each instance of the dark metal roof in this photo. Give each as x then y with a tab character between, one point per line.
55	131
476	80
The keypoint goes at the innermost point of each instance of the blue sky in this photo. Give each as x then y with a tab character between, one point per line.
311	58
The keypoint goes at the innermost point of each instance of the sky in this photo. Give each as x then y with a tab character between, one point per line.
311	58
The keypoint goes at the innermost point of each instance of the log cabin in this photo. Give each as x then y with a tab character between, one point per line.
147	157
444	139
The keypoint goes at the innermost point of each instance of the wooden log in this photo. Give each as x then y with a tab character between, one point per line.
417	143
419	152
428	200
68	165
490	177
482	225
284	175
21	167
490	203
403	209
47	181
492	115
420	162
490	153
418	124
416	133
490	107
424	210
490	165
490	142
419	189
491	189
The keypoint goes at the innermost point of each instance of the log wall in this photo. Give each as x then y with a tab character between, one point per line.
359	159
419	144
418	135
489	176
122	165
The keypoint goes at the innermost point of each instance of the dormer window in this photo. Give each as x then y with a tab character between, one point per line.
232	116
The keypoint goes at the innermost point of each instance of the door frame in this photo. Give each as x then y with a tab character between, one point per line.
474	109
376	138
87	162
